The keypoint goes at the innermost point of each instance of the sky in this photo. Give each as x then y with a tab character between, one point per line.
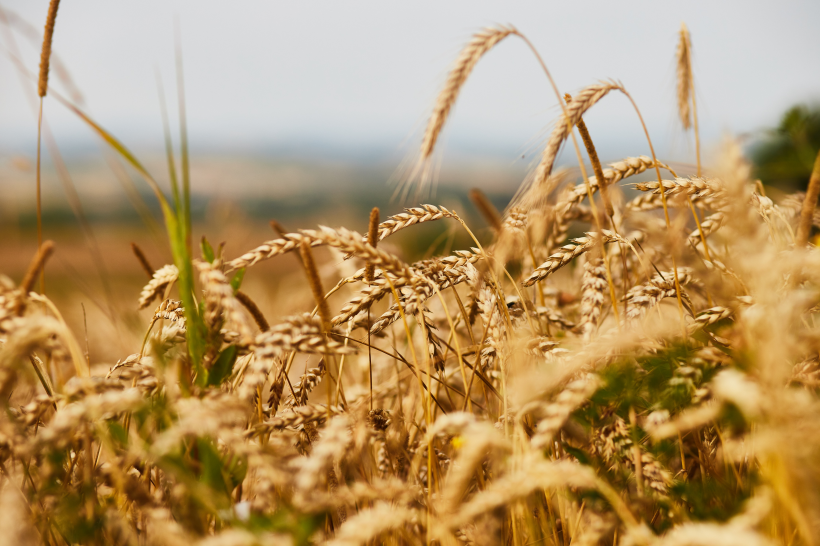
358	78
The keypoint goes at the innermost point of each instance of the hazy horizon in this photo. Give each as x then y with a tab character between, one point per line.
357	80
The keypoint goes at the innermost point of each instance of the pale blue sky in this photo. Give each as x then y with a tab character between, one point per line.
360	76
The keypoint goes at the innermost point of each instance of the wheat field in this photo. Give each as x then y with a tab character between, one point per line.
653	381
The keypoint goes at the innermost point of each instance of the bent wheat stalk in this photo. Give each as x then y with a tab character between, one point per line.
42	90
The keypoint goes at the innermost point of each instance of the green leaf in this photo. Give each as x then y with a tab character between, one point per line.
579	454
207	250
213	473
237	469
223	366
236	280
117	433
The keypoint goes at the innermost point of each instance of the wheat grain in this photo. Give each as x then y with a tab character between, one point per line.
696	188
315	283
300	333
516	220
270	249
592	297
170	310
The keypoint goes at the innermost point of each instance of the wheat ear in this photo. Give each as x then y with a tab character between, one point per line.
301	333
569	252
684	77
146	265
160	280
253	309
412	216
36	265
582	102
372	239
45	53
481	43
592	297
315	283
486	208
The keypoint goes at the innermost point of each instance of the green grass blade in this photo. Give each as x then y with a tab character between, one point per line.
177	237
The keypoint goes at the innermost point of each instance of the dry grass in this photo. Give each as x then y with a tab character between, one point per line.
491	396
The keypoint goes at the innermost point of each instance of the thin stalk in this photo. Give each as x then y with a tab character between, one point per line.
613	298
183	144
457	343
665	208
39	197
694	106
169	145
410	344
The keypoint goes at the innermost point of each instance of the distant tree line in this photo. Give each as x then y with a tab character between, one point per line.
783	156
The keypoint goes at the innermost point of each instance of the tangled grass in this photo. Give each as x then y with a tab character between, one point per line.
652	382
